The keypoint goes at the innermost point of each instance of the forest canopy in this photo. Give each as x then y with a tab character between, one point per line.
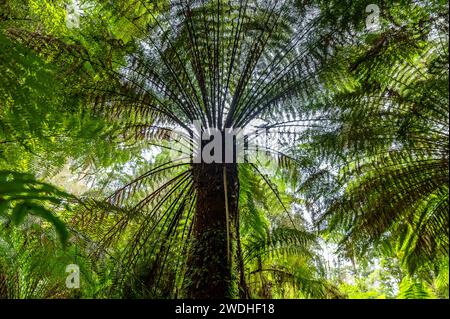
239	149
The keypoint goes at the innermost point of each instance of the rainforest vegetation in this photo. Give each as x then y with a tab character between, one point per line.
100	195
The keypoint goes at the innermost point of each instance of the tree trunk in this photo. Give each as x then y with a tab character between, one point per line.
3	286
209	263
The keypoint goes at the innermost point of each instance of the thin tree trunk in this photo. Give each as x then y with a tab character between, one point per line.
243	288
209	262
3	285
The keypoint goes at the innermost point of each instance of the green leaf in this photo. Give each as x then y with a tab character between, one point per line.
19	212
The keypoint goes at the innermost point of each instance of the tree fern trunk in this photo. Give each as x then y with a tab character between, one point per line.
209	262
3	286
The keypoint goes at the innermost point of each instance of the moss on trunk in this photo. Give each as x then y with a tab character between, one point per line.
210	259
